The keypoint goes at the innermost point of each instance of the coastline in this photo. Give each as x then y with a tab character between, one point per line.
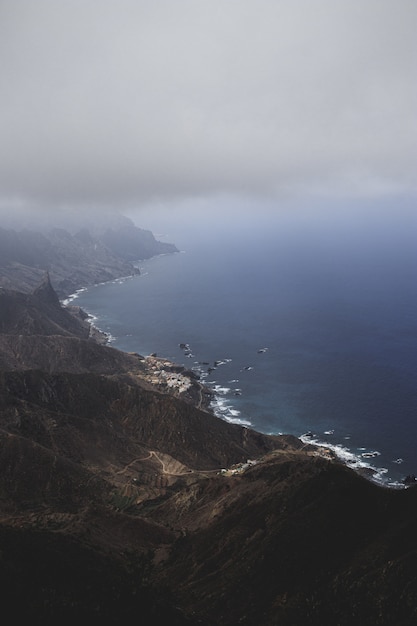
171	377
356	462
160	372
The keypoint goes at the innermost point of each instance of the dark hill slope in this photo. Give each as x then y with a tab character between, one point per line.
295	541
94	419
38	313
53	577
54	353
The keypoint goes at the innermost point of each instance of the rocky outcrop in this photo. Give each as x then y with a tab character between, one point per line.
38	314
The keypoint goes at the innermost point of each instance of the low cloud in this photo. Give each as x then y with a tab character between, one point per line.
129	103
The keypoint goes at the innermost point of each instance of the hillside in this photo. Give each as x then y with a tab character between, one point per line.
76	255
123	497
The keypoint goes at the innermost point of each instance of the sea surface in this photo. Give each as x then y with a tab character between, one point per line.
301	326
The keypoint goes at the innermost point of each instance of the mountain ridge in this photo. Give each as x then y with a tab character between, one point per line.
75	256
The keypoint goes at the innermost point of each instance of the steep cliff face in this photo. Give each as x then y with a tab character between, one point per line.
70	261
122	498
76	255
134	243
38	314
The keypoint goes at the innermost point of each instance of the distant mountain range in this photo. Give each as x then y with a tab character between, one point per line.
81	254
124	499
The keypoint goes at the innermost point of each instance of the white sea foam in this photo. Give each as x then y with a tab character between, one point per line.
73	296
222	390
223	409
354	461
222	362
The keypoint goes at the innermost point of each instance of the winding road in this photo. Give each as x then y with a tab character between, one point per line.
151	454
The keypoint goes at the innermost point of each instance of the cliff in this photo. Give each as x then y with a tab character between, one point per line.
75	256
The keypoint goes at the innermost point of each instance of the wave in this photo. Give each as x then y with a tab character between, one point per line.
355	461
223	408
222	362
222	390
73	296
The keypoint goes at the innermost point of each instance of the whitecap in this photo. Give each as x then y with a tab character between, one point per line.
351	459
329	432
222	362
222	390
222	408
394	484
241	422
73	296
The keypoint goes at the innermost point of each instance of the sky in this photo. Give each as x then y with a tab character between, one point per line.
174	105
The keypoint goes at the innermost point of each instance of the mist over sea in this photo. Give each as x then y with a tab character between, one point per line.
302	324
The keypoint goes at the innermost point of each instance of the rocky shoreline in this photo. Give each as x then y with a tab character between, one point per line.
166	376
74	253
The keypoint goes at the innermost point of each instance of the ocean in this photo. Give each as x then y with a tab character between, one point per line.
301	325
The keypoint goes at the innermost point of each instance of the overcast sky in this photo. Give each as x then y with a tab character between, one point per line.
134	103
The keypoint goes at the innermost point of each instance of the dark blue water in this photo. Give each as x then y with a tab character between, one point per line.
314	323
